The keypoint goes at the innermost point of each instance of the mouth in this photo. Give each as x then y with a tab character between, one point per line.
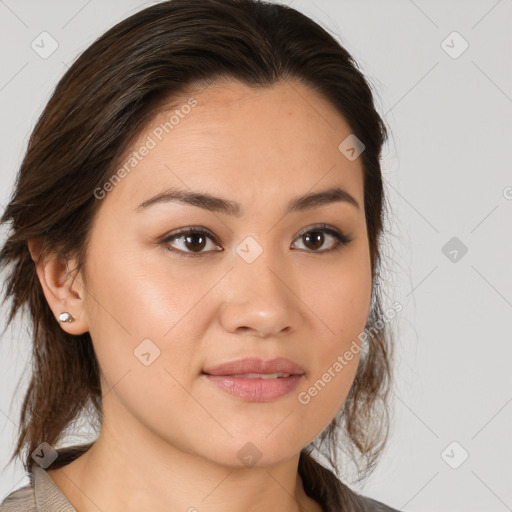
254	380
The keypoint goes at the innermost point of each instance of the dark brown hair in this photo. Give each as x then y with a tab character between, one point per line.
97	109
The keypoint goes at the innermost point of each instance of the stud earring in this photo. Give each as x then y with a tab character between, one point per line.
65	317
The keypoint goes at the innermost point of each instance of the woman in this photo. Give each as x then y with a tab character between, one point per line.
195	232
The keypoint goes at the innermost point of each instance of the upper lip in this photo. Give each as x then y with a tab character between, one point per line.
255	365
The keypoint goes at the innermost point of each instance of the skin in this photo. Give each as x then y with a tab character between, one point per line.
169	438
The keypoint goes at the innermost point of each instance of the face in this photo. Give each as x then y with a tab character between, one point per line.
253	279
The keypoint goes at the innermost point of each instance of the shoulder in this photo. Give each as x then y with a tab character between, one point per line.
20	500
371	505
40	495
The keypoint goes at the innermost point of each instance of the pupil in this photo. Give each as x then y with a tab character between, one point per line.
316	241
196	247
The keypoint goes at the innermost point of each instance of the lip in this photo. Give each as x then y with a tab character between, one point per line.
227	377
255	365
255	390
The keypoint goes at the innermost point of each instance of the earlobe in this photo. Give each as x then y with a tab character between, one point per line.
58	285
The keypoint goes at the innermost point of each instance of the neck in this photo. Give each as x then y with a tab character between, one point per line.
119	473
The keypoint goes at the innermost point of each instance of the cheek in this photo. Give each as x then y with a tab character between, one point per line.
139	314
339	295
139	296
336	361
342	305
144	342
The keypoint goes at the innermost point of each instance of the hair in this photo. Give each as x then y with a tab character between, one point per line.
98	108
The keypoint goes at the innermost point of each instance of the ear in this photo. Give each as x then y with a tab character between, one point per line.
63	290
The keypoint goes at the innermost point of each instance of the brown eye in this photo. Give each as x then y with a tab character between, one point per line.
314	238
190	242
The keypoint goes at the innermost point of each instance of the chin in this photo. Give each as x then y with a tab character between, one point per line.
251	452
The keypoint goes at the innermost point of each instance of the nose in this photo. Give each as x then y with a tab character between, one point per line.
260	299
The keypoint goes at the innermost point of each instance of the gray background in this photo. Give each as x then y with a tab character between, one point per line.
447	173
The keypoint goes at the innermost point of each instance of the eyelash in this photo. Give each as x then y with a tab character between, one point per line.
340	238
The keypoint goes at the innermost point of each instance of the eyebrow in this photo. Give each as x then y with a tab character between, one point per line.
217	204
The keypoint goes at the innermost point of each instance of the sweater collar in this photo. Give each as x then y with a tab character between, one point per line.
47	495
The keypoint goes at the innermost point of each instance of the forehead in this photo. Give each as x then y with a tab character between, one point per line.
257	144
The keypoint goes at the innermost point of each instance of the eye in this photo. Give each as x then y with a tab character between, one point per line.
314	237
193	240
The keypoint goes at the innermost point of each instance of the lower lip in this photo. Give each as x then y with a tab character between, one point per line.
255	390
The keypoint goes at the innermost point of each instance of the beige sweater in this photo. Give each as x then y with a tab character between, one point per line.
41	494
